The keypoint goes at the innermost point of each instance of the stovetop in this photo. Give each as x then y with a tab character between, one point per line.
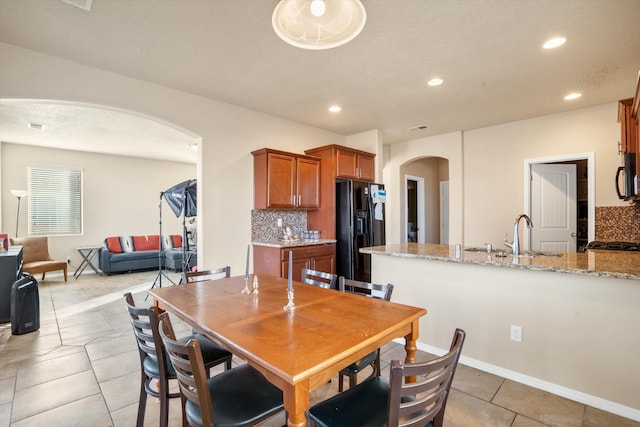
614	246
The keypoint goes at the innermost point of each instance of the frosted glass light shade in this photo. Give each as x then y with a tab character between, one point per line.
341	22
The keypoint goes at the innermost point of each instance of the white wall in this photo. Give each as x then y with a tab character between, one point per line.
229	134
487	168
448	147
494	164
121	194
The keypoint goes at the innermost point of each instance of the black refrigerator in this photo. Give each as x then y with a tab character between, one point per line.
359	223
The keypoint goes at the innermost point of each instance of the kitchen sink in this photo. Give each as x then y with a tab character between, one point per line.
528	254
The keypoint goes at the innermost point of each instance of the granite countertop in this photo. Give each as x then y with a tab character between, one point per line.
291	243
617	264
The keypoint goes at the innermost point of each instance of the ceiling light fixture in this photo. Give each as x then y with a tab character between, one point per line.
572	96
435	82
335	108
318	24
554	42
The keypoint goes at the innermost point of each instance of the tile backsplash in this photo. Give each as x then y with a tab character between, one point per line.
264	223
618	223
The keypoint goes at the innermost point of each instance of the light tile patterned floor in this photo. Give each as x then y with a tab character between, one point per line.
82	368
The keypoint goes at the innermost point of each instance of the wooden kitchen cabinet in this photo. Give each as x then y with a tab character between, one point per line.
285	180
337	162
353	164
275	260
628	127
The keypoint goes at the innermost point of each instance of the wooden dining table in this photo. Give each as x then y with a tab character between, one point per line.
300	350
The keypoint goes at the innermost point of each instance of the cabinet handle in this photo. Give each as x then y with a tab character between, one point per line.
299	200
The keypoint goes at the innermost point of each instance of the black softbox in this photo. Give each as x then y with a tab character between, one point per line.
182	198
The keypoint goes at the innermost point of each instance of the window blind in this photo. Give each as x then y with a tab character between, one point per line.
55	201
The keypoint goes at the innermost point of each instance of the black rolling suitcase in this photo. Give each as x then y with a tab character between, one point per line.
25	305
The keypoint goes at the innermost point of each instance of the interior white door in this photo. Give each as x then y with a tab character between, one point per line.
553	207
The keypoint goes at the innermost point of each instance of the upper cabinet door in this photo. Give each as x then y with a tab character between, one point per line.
308	174
366	167
281	181
346	164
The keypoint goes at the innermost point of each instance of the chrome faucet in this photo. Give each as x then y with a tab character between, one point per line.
515	245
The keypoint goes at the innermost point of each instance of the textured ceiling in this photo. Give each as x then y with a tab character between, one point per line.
487	51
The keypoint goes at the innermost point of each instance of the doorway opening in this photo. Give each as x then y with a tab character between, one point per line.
584	195
414	209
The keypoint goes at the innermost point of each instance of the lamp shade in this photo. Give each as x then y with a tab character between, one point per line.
19	193
318	24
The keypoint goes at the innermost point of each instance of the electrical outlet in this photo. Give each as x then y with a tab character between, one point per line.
68	259
279	222
516	333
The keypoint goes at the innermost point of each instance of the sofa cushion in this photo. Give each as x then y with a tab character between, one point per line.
113	244
146	243
172	241
133	256
127	244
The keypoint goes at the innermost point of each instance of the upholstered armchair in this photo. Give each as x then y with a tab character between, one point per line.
36	258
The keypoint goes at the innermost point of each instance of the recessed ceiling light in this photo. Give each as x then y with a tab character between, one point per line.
435	82
554	42
572	96
36	126
335	108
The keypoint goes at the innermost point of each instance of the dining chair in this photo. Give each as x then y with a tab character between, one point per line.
238	397
318	278
199	276
155	369
203	275
370	290
419	403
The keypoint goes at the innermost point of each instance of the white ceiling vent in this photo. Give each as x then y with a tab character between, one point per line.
420	127
82	4
36	126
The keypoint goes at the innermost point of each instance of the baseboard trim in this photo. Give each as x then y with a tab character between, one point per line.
575	395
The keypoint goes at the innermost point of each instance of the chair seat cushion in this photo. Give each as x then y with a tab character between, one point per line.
240	396
358	366
364	406
212	353
150	366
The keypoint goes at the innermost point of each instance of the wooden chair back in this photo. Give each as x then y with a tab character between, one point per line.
318	278
199	276
417	403
189	366
366	289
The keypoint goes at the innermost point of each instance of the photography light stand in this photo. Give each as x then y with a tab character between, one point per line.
161	272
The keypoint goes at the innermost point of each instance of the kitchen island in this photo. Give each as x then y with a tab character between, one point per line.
579	315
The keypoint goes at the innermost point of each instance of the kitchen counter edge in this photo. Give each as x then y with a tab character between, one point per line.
615	264
291	244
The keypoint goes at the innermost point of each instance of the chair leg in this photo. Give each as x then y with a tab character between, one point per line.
142	402
227	365
163	387
353	380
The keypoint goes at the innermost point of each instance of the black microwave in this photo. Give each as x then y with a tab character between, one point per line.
629	179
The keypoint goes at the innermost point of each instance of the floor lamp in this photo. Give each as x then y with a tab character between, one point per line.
19	195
